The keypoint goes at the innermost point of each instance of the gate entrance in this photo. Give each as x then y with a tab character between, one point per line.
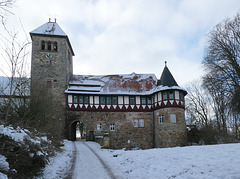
78	131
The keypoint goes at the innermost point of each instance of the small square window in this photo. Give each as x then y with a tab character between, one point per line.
161	118
85	99
75	99
49	84
141	122
114	100
149	100
99	126
165	97
108	100
143	100
132	100
138	122
181	96
135	122
102	100
171	96
112	127
80	99
173	118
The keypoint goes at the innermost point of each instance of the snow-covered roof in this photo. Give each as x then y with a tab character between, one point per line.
112	84
125	84
49	28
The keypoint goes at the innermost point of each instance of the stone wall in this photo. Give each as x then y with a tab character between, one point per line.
125	134
168	134
53	68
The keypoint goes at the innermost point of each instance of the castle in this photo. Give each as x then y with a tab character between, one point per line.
117	111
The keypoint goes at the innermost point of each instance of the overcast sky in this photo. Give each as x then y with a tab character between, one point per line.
125	36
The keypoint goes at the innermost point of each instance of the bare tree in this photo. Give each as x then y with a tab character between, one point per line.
13	54
198	103
5	6
222	57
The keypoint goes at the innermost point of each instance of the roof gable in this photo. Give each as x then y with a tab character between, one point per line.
49	28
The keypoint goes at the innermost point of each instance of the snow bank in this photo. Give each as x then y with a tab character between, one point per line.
215	161
59	165
19	134
4	166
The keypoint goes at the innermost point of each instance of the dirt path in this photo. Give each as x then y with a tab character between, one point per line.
88	164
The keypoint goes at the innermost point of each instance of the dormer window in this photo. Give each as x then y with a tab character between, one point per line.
43	45
55	46
49	46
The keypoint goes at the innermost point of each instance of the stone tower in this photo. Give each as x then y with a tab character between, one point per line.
51	68
169	114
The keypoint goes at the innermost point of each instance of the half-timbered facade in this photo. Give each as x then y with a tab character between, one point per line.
128	110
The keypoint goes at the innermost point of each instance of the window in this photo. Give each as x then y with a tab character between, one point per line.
49	84
181	96
55	46
102	99
75	99
132	99
143	99
138	122
165	95
108	100
49	46
135	122
160	118
43	45
173	118
141	122
99	126
171	96
149	100
81	99
114	100
112	127
85	99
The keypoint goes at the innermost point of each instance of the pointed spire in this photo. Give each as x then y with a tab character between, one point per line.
166	78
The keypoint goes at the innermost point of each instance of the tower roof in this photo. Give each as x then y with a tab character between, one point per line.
49	28
167	78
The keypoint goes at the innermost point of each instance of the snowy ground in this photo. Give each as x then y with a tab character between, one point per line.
215	161
79	161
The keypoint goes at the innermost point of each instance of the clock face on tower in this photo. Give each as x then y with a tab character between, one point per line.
48	55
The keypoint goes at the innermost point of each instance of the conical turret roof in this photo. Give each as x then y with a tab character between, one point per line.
167	78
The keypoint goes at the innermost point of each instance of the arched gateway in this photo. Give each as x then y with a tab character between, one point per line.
118	111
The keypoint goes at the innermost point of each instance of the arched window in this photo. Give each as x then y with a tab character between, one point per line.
55	46
49	46
43	45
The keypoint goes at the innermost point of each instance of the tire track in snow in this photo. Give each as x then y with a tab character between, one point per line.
105	166
73	162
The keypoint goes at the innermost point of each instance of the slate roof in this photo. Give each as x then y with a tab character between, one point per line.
51	29
167	78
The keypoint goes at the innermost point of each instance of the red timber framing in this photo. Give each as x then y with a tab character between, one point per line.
125	103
